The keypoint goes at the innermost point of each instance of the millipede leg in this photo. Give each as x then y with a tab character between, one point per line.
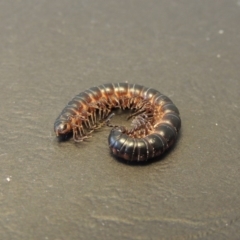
107	121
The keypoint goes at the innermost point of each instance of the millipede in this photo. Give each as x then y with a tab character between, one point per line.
155	119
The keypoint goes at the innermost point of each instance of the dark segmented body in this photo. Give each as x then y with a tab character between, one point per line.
155	126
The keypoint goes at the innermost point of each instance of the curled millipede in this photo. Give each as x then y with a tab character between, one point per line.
154	129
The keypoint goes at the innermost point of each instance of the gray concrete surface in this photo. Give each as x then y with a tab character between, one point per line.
52	50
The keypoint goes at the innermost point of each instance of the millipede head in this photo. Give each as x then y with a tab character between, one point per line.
62	128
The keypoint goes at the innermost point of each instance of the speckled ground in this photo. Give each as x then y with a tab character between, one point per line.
52	50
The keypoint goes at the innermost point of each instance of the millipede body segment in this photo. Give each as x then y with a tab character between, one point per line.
155	119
